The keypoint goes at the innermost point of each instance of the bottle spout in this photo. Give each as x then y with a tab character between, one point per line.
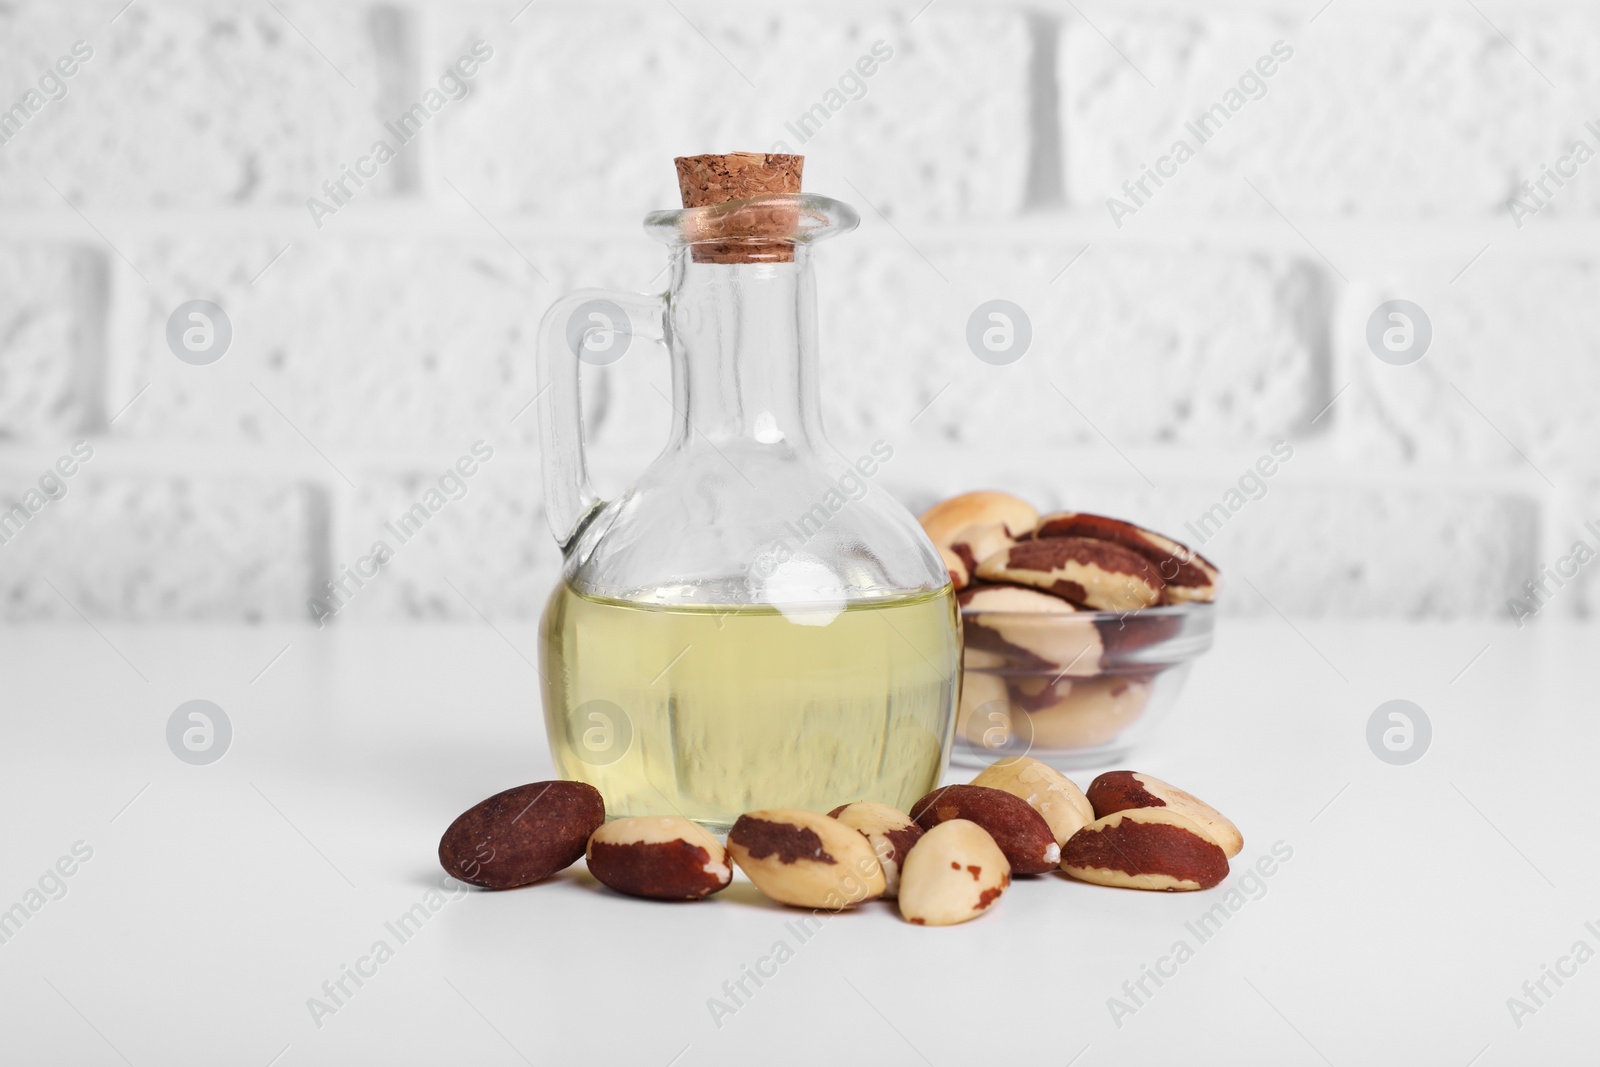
760	229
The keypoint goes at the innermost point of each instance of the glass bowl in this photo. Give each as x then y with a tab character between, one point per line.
1074	690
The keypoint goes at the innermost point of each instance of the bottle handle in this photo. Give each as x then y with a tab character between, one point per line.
586	326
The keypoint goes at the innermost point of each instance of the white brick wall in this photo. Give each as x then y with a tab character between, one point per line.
371	352
151	548
50	322
194	104
1414	110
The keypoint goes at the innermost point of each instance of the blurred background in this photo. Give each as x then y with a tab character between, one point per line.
1351	154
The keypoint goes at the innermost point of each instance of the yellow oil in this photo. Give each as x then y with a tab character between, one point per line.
708	712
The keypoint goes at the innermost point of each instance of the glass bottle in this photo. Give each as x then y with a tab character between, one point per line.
755	622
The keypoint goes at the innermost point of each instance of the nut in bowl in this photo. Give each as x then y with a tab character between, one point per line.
1079	630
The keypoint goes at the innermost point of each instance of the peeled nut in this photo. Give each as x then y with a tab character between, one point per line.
1079	712
953	874
663	858
805	859
1022	834
1095	574
1030	629
949	517
1145	848
1188	574
1125	790
1046	790
960	573
522	835
890	832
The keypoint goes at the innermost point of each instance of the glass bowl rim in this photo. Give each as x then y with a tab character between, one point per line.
1196	608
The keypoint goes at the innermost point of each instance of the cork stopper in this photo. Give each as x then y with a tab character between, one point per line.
709	180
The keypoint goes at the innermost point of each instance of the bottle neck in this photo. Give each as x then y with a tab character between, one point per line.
743	339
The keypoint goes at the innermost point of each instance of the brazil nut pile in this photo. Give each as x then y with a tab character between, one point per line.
1090	561
1051	616
945	861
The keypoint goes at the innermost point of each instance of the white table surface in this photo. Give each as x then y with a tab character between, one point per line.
218	899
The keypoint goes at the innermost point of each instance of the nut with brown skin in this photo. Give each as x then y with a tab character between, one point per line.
659	857
985	721
890	832
1046	790
805	860
1095	574
953	874
1014	600
949	517
977	543
978	659
1022	834
1188	574
522	835
1030	629
1125	790
1125	634
960	573
1145	848
1079	712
